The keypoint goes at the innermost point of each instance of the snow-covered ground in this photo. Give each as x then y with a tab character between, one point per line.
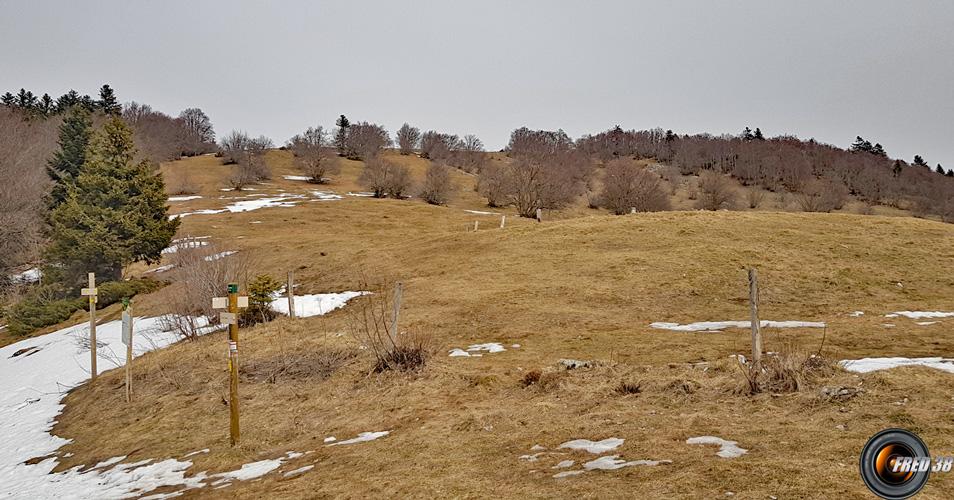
31	275
727	449
314	304
183	198
866	365
713	326
32	385
474	350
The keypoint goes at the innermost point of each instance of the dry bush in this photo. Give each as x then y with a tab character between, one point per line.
494	183
866	209
692	188
298	364
820	195
439	147
372	322
180	182
716	192
248	155
754	196
791	369
200	273
626	387
627	187
310	150
385	178
438	185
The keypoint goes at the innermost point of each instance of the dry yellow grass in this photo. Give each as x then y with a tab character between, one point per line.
584	288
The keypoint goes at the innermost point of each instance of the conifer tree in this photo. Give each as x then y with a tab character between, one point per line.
341	135
107	101
939	169
67	101
114	214
859	144
8	99
950	173
879	150
758	135
66	163
919	162
747	134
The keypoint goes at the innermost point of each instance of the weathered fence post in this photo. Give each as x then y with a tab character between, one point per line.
503	221
539	215
756	324
291	294
128	340
475	225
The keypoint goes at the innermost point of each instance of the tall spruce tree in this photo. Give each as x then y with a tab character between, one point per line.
107	101
939	169
341	135
66	163
758	135
114	214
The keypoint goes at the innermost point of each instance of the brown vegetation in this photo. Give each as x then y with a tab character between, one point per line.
627	188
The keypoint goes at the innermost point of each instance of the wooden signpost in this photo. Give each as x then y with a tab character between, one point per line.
232	303
128	340
90	292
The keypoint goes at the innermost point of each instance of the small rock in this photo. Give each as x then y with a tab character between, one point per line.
571	364
840	427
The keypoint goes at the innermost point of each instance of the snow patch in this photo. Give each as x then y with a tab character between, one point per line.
856	314
296	177
362	437
866	365
474	350
727	449
478	212
612	462
299	471
220	255
564	464
197	452
183	198
326	196
314	304
594	447
712	326
363	195
31	275
920	314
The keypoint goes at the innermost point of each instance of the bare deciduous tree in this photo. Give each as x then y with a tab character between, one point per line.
365	140
494	183
311	154
248	155
438	185
754	196
408	138
716	192
819	195
627	187
200	135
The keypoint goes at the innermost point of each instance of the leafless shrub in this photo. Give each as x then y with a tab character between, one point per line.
716	192
201	272
371	322
438	186
627	187
248	155
439	147
384	178
692	188
551	182
180	182
408	138
754	196
866	209
494	183
819	195
311	154
471	157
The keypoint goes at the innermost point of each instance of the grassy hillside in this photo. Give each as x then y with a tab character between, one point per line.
584	287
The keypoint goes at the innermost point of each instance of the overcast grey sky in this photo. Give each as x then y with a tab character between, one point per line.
823	69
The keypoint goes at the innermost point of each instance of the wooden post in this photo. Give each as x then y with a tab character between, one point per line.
756	324
291	294
475	225
539	215
503	221
91	293
128	340
232	303
396	311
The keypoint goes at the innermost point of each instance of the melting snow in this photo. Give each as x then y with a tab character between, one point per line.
31	390
185	243
478	212
926	323
248	205
362	437
866	365
330	439
727	449
920	314
299	471
856	314
316	304
161	269
564	464
594	447
612	462
31	275
721	325
183	198
568	473
194	453
325	196
490	347
220	255
363	195
296	177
